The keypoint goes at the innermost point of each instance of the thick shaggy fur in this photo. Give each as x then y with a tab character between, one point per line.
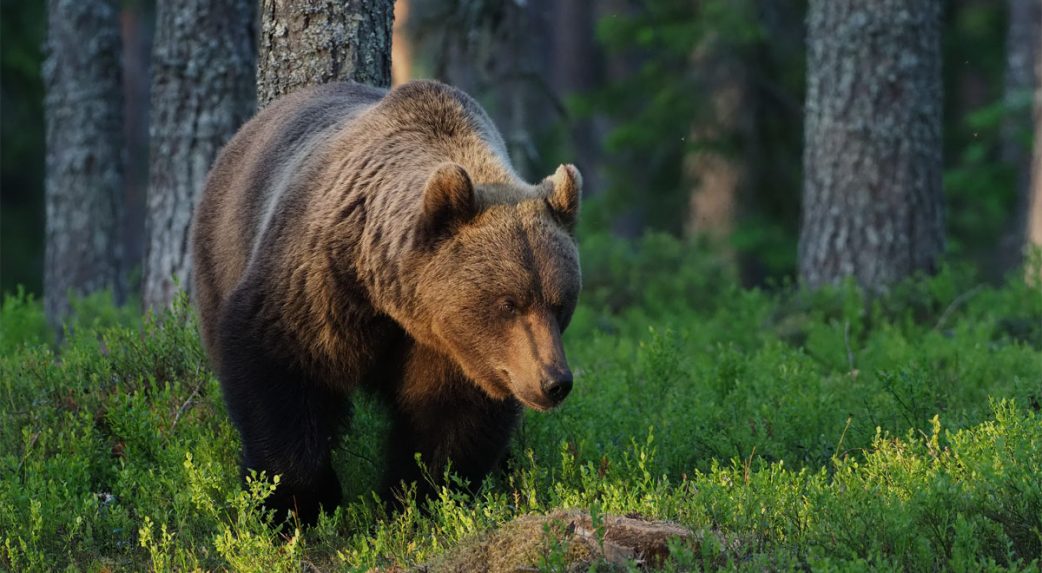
351	237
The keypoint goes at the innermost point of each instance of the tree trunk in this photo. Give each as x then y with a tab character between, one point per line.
872	202
202	91
619	65
577	70
84	165
1034	215
715	169
138	32
1023	37
308	42
401	45
526	107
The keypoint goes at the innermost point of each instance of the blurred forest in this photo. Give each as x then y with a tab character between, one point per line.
685	116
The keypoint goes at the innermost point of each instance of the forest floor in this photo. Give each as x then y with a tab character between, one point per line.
727	428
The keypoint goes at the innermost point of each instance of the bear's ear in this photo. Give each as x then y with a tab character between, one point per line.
448	200
564	194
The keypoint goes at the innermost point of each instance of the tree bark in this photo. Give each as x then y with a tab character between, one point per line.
83	182
576	70
872	202
138	32
716	171
1022	45
1023	42
401	45
1034	203
203	89
308	42
526	107
1034	231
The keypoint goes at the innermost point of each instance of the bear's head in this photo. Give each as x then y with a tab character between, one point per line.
502	279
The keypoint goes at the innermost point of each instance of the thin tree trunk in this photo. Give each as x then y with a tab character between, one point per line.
203	89
138	25
401	45
577	67
619	65
1034	216
84	164
308	42
713	202
872	203
1023	37
714	169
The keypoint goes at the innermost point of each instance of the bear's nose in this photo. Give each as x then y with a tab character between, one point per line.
557	384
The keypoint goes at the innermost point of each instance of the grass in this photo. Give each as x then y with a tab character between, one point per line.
803	430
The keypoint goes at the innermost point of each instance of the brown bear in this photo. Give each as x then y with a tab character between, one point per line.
352	237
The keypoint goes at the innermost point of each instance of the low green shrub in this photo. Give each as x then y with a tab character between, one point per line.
804	430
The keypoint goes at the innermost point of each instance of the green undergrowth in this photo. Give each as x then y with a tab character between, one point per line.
818	431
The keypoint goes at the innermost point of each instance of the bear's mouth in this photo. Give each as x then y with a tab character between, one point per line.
539	405
534	406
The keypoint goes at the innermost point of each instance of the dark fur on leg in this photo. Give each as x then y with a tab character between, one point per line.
456	425
287	421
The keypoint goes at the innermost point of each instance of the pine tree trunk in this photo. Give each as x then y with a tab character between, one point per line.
1022	46
522	107
1023	42
85	163
138	31
1034	203
716	172
203	89
872	202
1034	215
577	70
401	45
308	42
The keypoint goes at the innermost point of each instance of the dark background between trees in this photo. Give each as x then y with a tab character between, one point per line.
898	132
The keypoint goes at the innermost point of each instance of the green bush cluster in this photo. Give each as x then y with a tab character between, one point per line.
788	429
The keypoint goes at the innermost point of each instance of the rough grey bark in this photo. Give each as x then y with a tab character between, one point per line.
84	164
872	202
203	89
1023	37
308	42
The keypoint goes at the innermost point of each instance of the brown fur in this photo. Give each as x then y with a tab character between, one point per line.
354	237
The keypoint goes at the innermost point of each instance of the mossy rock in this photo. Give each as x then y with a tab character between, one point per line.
567	536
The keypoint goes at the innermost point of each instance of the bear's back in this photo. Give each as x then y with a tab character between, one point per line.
249	178
309	160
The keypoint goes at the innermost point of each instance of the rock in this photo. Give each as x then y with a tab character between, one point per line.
569	535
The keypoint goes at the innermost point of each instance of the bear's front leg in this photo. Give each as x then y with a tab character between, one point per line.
448	421
288	423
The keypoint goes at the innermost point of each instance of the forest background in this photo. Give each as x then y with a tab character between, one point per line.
685	117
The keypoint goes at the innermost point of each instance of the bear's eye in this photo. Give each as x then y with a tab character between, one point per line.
508	305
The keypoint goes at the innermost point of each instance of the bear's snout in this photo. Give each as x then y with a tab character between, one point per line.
556	384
